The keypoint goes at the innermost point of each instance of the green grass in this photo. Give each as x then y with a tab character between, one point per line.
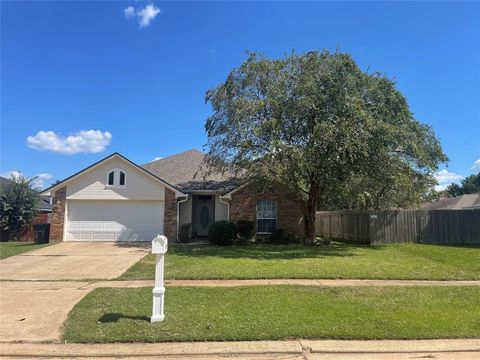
338	261
11	248
277	312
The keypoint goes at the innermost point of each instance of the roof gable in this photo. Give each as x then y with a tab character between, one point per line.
104	161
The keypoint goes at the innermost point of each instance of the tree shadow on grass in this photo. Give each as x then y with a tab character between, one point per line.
272	252
465	246
114	317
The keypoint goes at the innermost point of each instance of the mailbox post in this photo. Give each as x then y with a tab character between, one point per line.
159	247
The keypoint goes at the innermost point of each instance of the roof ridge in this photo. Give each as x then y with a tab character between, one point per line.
177	154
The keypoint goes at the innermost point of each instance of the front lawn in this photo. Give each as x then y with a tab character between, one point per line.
338	261
277	312
11	248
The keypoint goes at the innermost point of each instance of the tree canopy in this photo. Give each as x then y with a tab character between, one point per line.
322	127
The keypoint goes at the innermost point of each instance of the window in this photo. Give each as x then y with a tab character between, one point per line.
266	216
117	178
110	178
122	178
267	190
204	198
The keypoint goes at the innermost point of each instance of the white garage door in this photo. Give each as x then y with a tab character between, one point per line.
114	220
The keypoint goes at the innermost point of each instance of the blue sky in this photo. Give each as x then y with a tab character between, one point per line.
80	80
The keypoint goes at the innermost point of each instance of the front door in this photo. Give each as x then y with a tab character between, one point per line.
203	214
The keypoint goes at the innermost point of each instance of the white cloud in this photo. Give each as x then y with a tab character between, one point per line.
84	141
38	183
157	158
145	15
445	178
12	173
129	12
476	166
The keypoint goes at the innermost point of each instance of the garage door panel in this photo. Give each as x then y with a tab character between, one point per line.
114	220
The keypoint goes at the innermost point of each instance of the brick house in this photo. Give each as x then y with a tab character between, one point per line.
118	200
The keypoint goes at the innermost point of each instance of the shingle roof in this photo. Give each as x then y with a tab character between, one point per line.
469	201
4	181
188	172
44	204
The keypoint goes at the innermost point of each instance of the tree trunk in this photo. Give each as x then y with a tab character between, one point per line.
309	223
309	213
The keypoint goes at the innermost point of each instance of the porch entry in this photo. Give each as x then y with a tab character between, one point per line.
203	214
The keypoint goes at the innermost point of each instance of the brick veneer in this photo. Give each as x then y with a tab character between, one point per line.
170	216
58	215
289	212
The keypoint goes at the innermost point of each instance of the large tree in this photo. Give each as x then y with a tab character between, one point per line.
315	122
18	205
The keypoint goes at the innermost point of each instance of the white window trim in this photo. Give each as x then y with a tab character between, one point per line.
116	179
263	218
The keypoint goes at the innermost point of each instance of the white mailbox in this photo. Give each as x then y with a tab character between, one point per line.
159	244
159	247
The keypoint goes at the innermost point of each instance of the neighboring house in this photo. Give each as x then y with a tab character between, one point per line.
118	200
44	208
468	201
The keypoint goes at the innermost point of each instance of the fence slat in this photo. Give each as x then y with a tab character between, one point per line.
401	226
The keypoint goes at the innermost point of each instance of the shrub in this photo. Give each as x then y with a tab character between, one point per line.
322	241
222	233
278	237
18	205
184	233
245	229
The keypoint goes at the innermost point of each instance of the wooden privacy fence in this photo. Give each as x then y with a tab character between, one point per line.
401	226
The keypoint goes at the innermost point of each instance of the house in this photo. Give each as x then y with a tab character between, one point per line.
467	201
118	200
44	208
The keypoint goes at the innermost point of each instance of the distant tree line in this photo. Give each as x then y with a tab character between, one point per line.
469	185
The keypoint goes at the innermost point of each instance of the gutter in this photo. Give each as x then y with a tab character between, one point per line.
226	203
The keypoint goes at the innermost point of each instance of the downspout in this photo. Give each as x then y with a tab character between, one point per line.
228	206
178	213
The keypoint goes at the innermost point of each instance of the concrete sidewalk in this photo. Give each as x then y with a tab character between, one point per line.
321	282
94	284
291	349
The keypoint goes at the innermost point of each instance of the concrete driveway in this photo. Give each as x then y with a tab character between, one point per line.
33	306
73	261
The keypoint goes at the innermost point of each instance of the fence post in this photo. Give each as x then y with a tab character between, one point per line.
330	225
356	227
341	224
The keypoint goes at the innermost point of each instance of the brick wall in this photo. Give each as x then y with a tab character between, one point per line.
170	216
28	234
289	212
58	215
243	204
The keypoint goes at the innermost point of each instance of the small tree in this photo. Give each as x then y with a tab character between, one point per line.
316	123
18	205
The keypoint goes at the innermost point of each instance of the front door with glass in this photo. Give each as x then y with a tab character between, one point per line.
203	214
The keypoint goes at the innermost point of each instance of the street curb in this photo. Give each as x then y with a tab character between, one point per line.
286	347
392	346
150	349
